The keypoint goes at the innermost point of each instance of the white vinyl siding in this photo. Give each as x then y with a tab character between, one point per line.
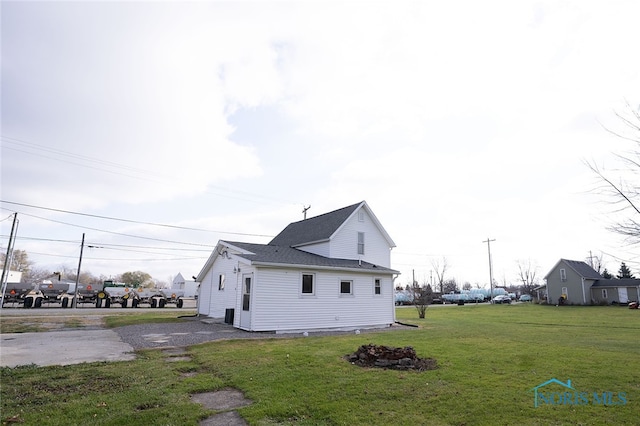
277	305
344	244
214	303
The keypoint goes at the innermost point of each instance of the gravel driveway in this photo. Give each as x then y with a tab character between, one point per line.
196	330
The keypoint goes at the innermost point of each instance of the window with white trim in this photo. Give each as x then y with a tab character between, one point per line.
361	216
346	287
604	293
308	284
563	275
360	242
221	279
377	287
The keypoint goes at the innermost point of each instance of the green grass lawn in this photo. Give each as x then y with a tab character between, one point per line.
489	357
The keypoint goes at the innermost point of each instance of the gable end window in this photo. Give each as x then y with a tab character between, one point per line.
360	242
307	284
346	287
221	282
563	275
361	216
377	287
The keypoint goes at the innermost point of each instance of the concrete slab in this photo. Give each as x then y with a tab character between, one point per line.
63	348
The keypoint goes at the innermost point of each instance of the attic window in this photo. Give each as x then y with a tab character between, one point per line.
360	242
563	275
361	216
221	282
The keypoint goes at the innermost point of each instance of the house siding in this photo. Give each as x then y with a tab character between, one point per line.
573	284
613	294
278	304
213	302
321	249
344	243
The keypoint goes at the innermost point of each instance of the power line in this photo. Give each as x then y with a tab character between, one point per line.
132	221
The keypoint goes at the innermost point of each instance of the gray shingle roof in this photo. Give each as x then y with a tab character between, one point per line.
624	282
318	228
583	269
283	255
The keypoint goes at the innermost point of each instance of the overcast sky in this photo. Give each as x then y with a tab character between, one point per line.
456	121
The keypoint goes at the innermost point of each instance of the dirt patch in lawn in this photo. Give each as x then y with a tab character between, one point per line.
387	357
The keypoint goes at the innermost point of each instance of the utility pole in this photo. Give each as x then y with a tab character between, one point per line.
8	257
304	210
488	241
75	297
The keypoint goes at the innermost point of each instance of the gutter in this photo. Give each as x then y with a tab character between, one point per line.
382	270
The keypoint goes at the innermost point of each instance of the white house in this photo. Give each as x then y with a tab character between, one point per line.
189	287
327	272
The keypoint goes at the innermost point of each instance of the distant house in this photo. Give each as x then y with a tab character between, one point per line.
327	272
189	287
580	284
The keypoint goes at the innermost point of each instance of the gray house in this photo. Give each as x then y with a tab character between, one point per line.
579	284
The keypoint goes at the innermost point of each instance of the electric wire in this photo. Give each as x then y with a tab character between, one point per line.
133	221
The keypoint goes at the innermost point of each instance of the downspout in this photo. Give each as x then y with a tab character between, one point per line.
393	298
584	297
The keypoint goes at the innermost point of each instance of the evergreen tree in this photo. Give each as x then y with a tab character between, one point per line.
606	274
624	272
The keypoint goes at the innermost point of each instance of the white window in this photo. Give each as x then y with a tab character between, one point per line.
563	275
346	287
377	287
360	242
565	292
361	216
604	293
221	282
307	284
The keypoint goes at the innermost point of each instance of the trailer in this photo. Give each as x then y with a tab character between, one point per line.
158	297
17	293
50	292
114	293
87	293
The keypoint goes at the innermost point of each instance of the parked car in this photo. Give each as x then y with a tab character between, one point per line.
526	298
501	299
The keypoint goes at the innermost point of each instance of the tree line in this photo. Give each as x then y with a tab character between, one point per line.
31	273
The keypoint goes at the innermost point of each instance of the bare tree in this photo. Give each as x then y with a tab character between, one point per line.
451	286
421	297
440	267
625	194
527	274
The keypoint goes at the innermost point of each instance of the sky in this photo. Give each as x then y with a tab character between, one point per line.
457	122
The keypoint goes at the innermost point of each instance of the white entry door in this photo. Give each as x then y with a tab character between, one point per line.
245	313
622	295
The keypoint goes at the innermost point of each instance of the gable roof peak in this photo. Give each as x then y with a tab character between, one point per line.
314	229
